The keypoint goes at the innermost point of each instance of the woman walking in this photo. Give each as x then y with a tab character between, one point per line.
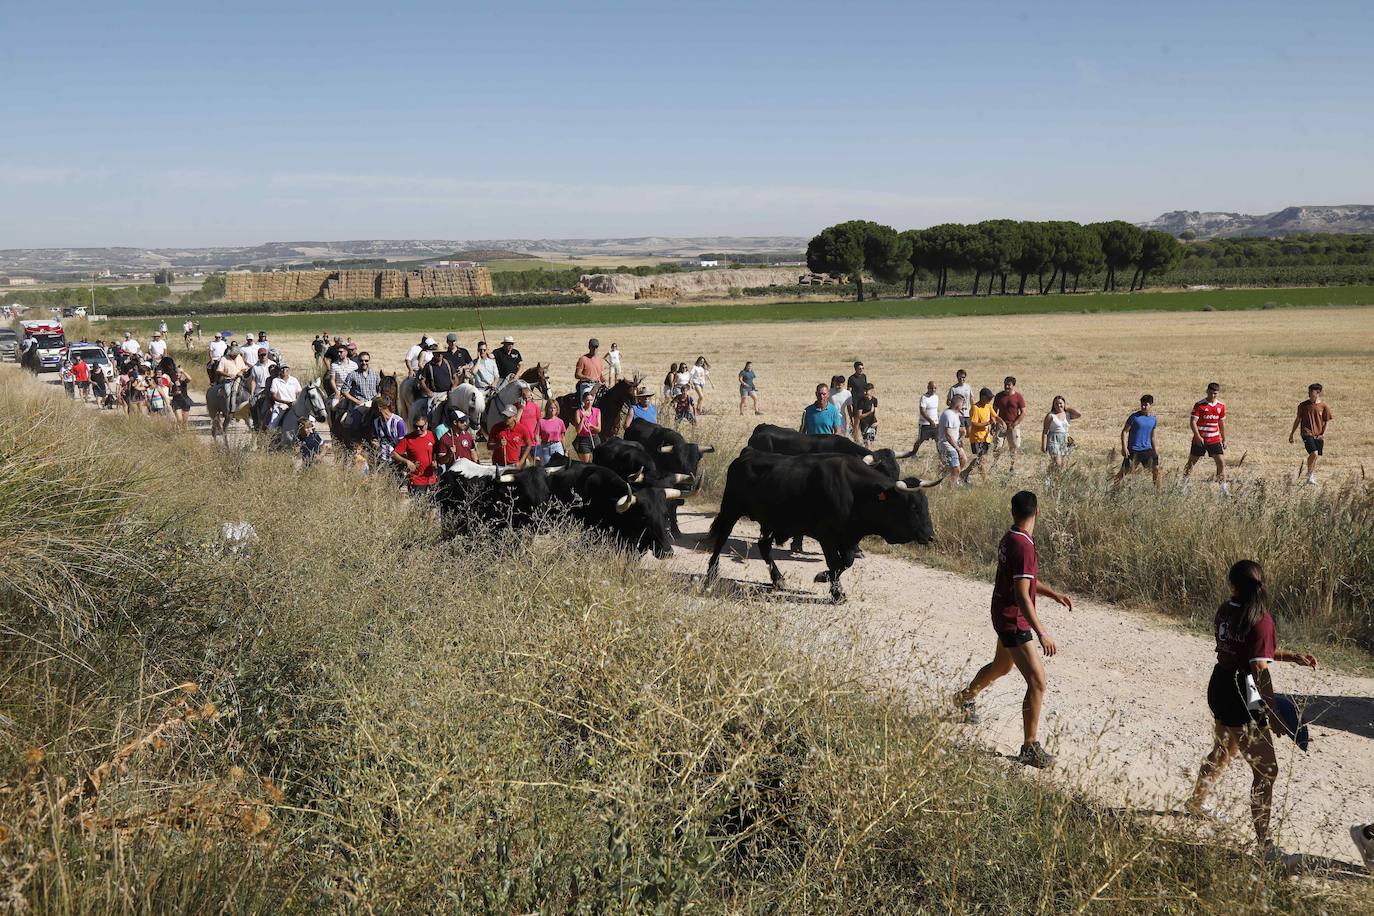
747	389
551	430
181	399
588	426
699	376
1240	695
1054	436
670	382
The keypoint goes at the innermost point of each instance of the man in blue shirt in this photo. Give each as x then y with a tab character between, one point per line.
644	408
821	418
1138	441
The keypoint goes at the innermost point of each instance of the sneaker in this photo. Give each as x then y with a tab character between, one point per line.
1360	834
1033	755
1206	811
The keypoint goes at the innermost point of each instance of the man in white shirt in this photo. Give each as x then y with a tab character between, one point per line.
217	347
157	347
285	390
262	373
413	354
951	428
249	350
964	390
841	396
130	345
929	422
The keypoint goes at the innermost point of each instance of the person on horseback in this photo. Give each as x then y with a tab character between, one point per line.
284	392
262	374
361	387
228	369
590	371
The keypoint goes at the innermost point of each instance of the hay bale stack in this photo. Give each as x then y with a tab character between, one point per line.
654	291
391	284
467	281
281	286
238	286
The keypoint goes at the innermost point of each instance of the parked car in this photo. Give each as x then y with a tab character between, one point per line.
9	345
93	356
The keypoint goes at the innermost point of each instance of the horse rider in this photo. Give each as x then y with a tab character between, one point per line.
285	390
590	370
361	387
261	371
413	354
436	380
228	370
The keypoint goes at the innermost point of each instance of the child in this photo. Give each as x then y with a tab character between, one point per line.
309	440
684	408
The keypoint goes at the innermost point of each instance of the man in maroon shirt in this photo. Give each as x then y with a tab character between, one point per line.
1015	620
457	442
1010	407
415	453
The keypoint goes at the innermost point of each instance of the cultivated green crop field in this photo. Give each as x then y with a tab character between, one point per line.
626	314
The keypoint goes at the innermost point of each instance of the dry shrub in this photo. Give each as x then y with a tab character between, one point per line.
526	723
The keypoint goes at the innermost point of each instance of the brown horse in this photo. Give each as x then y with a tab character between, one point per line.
614	403
537	377
348	427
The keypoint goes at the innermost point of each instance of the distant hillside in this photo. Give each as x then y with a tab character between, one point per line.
1353	218
78	261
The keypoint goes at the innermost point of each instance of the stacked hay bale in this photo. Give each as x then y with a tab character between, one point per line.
281	286
468	281
654	291
352	284
391	284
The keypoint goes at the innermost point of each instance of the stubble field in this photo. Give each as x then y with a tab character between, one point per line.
1264	361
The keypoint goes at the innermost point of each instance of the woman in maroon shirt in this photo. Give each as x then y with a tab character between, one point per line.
1241	695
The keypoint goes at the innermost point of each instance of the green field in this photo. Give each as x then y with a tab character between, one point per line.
620	315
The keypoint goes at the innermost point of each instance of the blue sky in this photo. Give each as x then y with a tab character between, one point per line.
192	123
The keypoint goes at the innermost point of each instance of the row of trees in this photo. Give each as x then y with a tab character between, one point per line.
995	249
1307	250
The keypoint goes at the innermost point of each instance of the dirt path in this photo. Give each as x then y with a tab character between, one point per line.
1126	710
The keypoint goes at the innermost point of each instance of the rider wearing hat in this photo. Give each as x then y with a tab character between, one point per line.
508	359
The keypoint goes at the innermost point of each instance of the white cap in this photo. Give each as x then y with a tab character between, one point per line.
428	342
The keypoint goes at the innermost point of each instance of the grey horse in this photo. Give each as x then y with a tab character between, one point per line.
309	403
225	405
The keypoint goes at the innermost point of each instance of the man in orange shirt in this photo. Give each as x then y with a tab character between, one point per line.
590	371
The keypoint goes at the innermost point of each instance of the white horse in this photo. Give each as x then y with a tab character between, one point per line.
309	403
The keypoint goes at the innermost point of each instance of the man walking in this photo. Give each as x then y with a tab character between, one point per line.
982	420
1138	441
415	454
928	418
964	390
1313	415
1016	622
951	430
820	418
1209	434
1010	407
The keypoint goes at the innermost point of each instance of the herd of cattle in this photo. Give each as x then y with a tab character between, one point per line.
794	485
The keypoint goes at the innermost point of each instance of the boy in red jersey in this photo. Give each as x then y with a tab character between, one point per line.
1015	620
1209	434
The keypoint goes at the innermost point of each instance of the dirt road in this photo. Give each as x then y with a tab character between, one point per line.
1126	709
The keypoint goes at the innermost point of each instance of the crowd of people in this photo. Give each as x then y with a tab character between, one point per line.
970	431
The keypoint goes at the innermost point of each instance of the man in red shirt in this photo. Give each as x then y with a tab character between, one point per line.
1015	621
509	444
457	442
1209	434
415	453
81	375
1010	407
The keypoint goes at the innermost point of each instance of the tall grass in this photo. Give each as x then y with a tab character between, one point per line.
350	714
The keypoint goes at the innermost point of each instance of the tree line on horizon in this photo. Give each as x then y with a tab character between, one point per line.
995	249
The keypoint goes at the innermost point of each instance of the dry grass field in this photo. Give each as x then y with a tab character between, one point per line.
1264	361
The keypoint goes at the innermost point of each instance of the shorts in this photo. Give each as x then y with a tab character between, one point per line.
949	455
1215	449
1145	458
1012	435
1015	639
979	448
1313	444
869	432
963	421
745	392
585	445
419	489
1226	699
927	434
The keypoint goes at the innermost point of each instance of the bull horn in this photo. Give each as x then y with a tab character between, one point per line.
556	469
868	459
637	476
624	503
707	449
905	455
934	483
665	449
682	478
901	485
672	493
506	478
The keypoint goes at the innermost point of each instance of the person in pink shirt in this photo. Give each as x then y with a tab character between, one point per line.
588	429
551	431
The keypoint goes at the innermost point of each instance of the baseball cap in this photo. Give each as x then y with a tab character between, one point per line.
452	338
428	342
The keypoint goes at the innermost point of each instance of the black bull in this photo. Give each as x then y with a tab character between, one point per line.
836	499
782	441
673	454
